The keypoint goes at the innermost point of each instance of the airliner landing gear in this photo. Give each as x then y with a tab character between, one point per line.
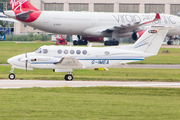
80	41
68	77
111	43
12	75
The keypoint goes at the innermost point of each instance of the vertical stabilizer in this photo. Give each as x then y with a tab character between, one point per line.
151	40
23	11
22	5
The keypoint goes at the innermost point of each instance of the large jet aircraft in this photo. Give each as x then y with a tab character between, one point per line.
89	24
65	59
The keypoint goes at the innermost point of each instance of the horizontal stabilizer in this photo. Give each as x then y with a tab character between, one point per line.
24	15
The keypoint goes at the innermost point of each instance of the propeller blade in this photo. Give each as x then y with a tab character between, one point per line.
26	58
26	65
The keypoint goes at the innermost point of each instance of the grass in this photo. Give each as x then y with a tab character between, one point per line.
172	57
10	49
114	74
109	103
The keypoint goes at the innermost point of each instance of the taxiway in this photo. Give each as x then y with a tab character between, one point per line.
12	84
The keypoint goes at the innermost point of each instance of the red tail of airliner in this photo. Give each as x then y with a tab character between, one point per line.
24	10
22	5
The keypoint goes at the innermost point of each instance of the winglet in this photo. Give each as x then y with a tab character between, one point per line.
155	19
158	17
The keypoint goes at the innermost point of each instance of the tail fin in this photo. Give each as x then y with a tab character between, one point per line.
22	5
151	40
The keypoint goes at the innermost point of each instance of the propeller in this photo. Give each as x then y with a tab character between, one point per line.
26	58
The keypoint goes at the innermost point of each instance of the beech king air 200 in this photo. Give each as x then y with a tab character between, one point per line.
89	24
65	59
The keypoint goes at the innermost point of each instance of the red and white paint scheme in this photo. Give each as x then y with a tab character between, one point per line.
89	24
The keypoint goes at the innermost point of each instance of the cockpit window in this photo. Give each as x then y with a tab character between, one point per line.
38	50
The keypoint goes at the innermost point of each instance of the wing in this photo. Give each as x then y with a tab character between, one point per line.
103	30
64	61
131	27
69	61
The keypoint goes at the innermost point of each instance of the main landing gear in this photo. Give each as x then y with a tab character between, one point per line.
12	75
68	77
80	41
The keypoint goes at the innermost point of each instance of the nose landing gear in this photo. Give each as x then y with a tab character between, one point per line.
12	75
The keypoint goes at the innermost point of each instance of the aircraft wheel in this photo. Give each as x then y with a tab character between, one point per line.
68	77
106	43
80	42
116	42
75	42
12	76
85	42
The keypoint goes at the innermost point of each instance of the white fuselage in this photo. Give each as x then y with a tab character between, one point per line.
92	24
88	57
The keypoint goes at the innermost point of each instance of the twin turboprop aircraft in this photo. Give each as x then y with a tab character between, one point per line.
65	59
89	24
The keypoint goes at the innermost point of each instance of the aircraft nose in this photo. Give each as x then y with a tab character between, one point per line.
10	60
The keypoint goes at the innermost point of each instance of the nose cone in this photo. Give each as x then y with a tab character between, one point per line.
10	60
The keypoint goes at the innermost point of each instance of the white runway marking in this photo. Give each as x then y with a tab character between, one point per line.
9	84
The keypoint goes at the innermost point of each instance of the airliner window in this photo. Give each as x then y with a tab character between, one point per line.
78	52
106	53
72	51
38	50
65	51
84	52
45	51
59	51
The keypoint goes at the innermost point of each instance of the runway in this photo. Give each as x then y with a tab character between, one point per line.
16	84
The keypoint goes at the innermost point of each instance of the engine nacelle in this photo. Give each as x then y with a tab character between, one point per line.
94	39
137	35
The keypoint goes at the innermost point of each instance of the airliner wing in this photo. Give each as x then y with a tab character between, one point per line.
131	27
121	29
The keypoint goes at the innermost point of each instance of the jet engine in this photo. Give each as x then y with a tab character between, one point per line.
137	35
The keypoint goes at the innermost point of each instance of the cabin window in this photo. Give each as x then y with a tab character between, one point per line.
78	52
65	51
72	51
45	51
59	51
84	52
106	53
